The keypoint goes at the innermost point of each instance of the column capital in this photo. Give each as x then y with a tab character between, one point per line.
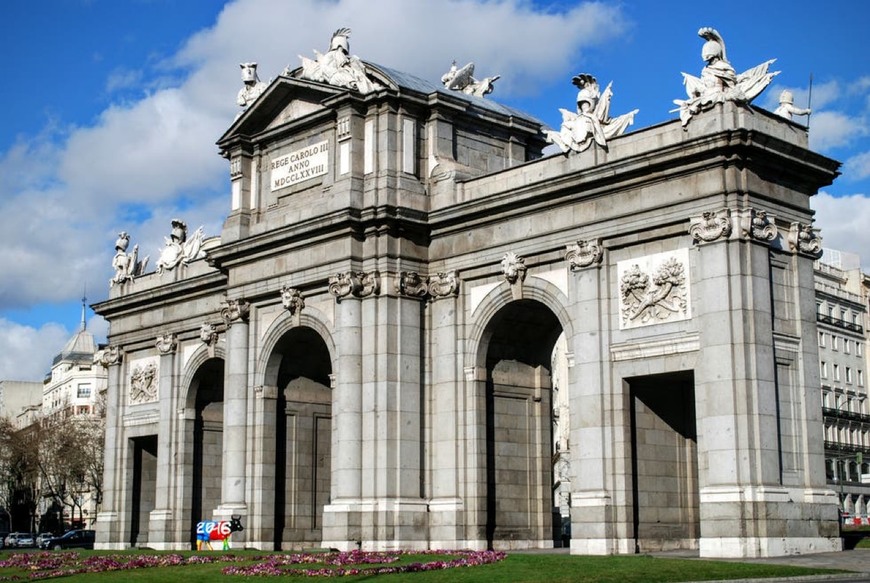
236	310
166	344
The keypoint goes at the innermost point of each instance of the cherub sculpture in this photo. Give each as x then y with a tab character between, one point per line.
592	122
337	67
127	265
463	80
178	249
719	82
253	86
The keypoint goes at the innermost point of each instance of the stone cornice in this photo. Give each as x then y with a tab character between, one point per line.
183	290
406	223
487	199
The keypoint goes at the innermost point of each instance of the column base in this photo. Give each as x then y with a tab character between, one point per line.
759	547
108	536
376	525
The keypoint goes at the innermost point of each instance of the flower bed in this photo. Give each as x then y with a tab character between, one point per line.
50	565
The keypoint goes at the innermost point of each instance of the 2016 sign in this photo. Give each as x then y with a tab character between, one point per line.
299	166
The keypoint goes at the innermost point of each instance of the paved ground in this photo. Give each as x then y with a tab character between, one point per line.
856	561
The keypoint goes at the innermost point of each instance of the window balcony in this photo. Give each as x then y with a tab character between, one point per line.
839	323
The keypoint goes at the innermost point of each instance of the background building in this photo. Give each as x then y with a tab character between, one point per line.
52	460
842	315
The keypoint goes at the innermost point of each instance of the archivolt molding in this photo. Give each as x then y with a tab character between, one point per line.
536	289
312	318
193	364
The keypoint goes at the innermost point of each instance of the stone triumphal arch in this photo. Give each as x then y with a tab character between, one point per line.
417	330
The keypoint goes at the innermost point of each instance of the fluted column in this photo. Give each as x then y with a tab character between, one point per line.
160	527
235	315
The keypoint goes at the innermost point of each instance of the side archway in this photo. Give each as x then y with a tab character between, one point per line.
202	437
296	370
514	344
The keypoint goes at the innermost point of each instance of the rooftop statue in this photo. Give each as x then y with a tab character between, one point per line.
253	86
127	265
719	82
463	80
787	108
592	122
337	67
178	249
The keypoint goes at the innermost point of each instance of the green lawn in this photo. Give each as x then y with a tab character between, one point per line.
517	567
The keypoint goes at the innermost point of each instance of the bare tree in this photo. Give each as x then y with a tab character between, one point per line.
71	460
19	473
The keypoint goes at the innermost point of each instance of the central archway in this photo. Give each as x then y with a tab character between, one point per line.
301	368
519	343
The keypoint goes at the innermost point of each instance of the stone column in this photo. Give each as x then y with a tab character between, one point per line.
160	528
235	315
112	523
594	495
341	518
391	407
447	450
751	417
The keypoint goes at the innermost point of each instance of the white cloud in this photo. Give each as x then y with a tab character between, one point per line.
857	167
26	352
66	194
832	129
843	222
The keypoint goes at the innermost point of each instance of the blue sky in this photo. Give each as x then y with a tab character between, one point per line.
111	109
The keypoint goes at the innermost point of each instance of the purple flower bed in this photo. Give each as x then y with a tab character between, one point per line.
344	564
45	565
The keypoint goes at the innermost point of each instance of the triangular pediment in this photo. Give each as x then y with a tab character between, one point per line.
284	100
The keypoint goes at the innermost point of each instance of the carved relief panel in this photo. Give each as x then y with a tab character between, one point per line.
143	381
654	289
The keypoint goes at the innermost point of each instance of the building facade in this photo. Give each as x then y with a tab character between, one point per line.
842	316
364	359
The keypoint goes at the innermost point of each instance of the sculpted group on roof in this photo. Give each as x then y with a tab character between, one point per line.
592	122
338	67
719	82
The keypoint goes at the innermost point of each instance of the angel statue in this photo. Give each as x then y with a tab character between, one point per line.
719	82
337	67
127	265
462	80
178	249
592	122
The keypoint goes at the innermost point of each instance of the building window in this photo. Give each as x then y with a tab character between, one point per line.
846	346
860	378
84	391
836	372
849	376
822	339
835	342
823	369
859	349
